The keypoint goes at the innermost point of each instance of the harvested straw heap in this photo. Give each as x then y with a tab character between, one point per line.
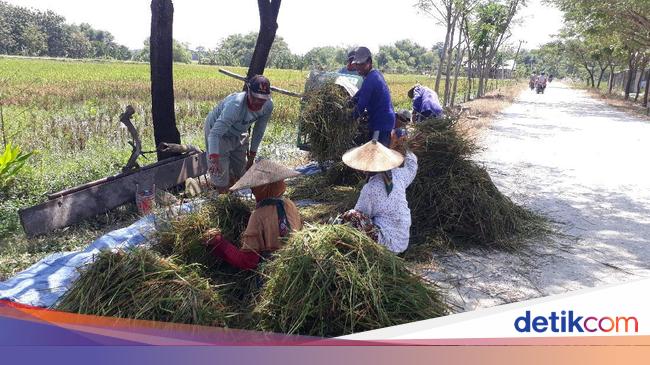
327	120
140	284
454	200
183	236
333	280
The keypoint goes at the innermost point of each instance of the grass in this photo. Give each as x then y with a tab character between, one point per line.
69	110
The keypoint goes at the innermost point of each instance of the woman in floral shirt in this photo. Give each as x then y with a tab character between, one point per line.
382	210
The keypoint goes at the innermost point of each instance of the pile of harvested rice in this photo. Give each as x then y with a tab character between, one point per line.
183	236
454	200
327	120
140	284
333	280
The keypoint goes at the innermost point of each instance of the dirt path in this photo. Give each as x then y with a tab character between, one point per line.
581	163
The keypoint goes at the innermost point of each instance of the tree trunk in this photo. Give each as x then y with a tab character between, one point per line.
444	51
268	10
638	84
647	90
611	79
600	77
630	78
459	61
591	76
162	81
449	63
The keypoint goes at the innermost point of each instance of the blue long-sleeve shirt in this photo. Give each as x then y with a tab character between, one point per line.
374	97
425	102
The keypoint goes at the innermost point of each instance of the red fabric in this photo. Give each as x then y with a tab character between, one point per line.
225	250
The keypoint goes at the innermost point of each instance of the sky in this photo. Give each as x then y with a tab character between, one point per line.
302	23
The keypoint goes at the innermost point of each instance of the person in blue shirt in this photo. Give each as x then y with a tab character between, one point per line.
425	103
373	97
350	68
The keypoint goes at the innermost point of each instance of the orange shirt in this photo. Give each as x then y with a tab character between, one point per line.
263	231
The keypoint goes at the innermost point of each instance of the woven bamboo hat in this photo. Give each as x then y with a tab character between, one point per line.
263	172
373	157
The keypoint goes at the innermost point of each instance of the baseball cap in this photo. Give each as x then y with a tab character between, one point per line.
260	87
351	55
361	55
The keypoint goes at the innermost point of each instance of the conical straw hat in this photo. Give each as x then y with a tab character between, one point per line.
373	157
263	172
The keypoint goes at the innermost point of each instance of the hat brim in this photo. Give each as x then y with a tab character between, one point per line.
262	173
360	61
373	157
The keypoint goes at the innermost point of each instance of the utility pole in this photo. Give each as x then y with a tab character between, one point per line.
514	64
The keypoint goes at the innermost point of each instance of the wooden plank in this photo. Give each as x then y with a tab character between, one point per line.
72	208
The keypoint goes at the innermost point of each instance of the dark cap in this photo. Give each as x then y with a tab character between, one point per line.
361	55
260	87
351	55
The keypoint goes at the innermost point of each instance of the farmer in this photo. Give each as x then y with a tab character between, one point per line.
425	103
227	130
382	210
373	97
350	68
402	118
273	218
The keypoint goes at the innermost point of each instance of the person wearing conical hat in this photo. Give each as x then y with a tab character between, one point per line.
274	217
382	210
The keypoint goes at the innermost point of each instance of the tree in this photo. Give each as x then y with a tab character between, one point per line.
325	58
180	52
162	82
268	10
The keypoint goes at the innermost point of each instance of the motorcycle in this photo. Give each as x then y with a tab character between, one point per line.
531	84
541	86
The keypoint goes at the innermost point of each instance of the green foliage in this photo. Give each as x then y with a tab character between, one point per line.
237	50
12	161
180	52
28	32
405	56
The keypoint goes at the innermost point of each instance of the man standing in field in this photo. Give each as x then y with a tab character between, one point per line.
227	130
425	103
373	97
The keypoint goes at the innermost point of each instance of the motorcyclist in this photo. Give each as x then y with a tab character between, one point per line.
541	81
532	81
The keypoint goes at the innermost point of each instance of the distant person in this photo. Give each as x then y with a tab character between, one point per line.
425	103
532	81
350	68
541	80
226	132
373	98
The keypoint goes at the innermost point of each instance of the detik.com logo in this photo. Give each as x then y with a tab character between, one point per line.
567	321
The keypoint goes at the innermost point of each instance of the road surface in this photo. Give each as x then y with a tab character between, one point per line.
582	164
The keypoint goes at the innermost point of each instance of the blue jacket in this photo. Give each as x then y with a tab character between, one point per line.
374	97
425	102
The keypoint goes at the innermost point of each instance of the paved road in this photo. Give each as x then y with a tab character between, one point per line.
581	163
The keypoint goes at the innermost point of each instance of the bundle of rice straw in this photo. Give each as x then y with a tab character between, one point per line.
332	280
327	119
140	284
183	236
454	200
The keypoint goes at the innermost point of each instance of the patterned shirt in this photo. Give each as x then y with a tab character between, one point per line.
390	212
